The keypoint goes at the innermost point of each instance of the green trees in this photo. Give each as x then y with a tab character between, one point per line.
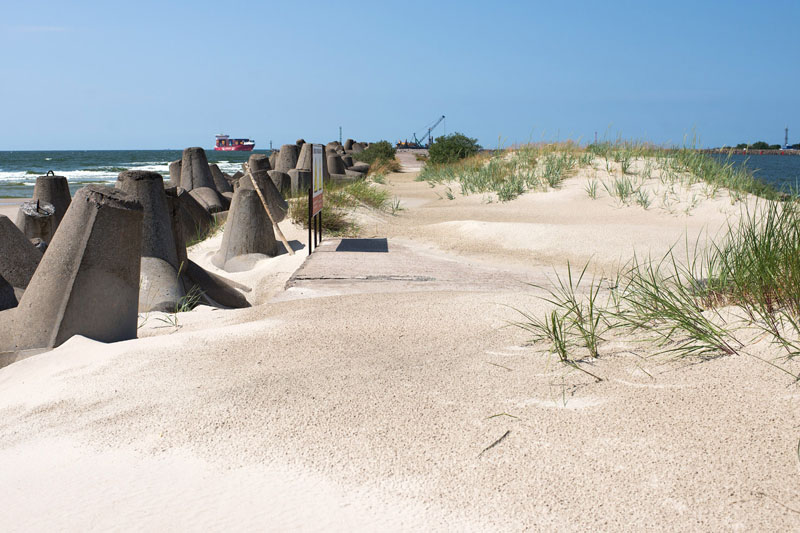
451	148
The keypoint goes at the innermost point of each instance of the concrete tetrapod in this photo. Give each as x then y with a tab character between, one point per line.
348	144
161	288
347	160
220	181
281	180
18	261
357	148
195	172
305	159
273	159
175	173
258	162
35	220
214	289
335	164
54	190
360	167
88	282
287	158
194	219
209	198
300	180
275	201
248	233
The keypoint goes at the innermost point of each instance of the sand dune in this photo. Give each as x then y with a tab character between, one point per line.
385	391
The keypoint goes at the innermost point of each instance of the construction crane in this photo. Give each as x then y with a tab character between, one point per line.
420	143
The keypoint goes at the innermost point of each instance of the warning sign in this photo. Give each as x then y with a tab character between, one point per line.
316	181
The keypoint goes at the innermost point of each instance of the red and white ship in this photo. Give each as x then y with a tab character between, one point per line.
226	144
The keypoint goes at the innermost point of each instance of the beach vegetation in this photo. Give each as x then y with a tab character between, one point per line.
451	148
341	201
716	300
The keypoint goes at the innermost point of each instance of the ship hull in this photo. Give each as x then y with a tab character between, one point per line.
238	148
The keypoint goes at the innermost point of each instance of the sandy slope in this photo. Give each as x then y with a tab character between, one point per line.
370	393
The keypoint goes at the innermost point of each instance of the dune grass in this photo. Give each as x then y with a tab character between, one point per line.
704	305
509	173
341	199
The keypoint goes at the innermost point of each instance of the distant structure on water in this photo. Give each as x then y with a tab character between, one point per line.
226	144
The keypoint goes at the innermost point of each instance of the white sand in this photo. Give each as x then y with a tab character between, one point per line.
357	403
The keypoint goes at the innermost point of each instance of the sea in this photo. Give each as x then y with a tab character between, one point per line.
18	170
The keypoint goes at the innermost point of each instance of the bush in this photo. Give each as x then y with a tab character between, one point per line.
452	148
379	151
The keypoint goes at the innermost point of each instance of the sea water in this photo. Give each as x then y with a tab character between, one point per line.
18	170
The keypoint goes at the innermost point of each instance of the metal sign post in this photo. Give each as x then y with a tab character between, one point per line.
315	197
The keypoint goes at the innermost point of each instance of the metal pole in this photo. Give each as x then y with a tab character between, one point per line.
310	218
340	135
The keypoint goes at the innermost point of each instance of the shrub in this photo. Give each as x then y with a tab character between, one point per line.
379	151
452	148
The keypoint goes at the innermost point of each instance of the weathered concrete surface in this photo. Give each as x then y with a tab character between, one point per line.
175	173
160	286
214	288
305	159
278	206
80	288
209	198
300	180
258	162
248	233
281	180
221	183
287	158
35	219
18	261
335	164
53	190
195	172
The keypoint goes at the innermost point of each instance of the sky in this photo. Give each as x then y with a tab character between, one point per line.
151	75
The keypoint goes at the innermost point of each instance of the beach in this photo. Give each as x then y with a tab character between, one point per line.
386	389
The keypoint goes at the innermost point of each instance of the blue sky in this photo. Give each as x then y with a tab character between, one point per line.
106	75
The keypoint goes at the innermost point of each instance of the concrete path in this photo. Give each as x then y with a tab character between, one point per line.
354	266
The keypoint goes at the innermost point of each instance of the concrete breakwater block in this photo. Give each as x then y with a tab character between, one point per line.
175	173
160	288
360	167
35	220
18	261
305	159
258	162
281	180
208	198
194	220
300	142
335	164
88	282
248	233
348	161
353	173
300	180
273	159
278	206
221	183
53	190
195	172
357	148
348	144
287	157
215	289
